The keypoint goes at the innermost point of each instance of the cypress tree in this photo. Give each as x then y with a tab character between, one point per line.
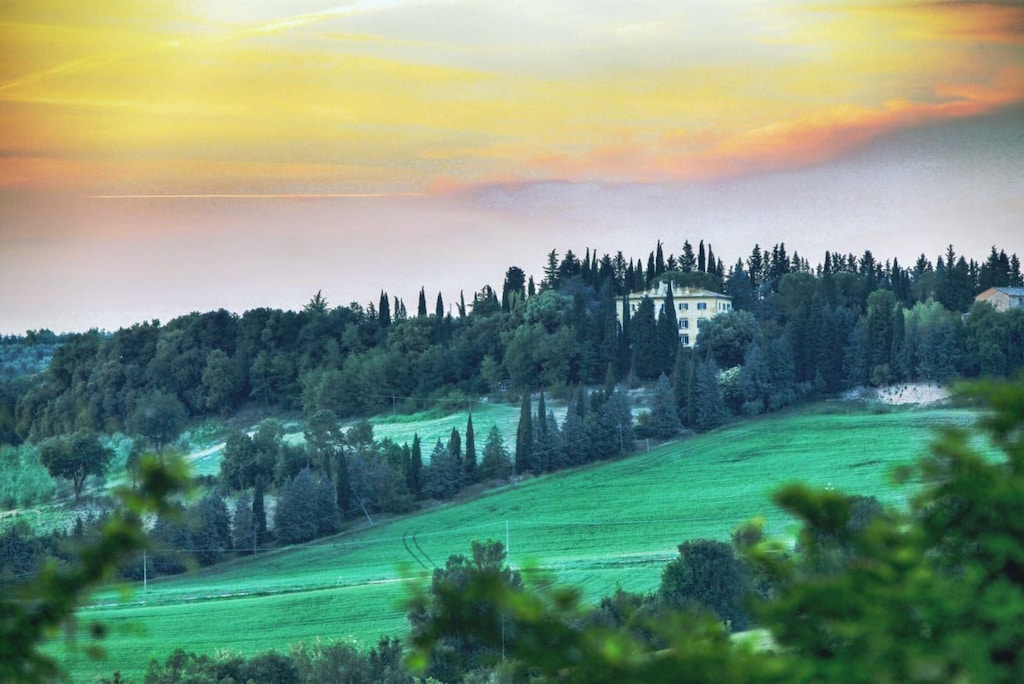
470	459
413	478
259	513
384	310
702	264
541	441
243	528
646	345
455	444
421	308
668	333
524	437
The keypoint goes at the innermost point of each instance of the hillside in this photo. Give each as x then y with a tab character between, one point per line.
598	527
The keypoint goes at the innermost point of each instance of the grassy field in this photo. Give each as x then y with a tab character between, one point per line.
599	527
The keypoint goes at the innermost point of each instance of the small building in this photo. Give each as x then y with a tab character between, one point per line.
1003	298
693	306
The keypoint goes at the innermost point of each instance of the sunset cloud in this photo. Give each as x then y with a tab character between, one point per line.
400	96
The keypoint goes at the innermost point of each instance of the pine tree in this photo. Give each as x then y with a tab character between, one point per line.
495	462
709	410
687	262
328	520
663	420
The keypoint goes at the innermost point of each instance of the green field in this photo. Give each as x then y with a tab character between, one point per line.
608	525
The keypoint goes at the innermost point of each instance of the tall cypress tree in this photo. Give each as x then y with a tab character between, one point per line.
384	310
541	443
455	444
421	308
413	478
702	264
524	437
646	347
668	333
259	513
470	458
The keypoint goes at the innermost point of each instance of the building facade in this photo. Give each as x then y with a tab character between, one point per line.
1003	298
693	306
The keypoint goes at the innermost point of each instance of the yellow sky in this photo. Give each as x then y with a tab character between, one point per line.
119	97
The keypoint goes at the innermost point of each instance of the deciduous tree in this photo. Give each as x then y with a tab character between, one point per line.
75	458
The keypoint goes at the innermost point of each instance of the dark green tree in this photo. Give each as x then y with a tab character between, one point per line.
707	576
480	626
663	418
524	460
343	485
295	519
495	463
259	513
243	526
75	457
647	349
470	457
421	307
159	419
413	476
706	401
211	534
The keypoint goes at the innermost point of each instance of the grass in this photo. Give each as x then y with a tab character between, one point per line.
600	527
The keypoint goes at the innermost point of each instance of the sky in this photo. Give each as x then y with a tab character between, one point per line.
161	158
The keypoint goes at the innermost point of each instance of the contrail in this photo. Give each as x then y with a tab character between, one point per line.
274	195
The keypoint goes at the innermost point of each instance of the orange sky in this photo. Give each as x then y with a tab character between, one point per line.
386	100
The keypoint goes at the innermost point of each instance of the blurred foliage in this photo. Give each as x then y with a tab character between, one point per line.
39	607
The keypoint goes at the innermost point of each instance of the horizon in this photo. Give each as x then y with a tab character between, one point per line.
167	159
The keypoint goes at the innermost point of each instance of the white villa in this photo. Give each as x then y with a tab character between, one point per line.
692	305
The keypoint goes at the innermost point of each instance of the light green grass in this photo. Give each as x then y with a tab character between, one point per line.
613	524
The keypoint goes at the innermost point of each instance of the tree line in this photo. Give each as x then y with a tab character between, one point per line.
850	320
